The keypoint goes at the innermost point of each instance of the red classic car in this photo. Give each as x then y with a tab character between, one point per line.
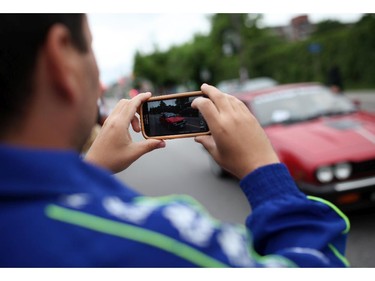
327	143
172	120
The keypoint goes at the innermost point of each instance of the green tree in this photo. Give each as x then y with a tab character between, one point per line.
238	44
327	27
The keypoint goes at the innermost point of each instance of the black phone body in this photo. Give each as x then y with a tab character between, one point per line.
171	116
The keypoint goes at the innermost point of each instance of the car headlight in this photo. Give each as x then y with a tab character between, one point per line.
325	174
342	171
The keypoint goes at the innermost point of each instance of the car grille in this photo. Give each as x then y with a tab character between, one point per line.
365	168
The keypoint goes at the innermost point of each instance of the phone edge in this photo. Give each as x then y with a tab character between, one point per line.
170	96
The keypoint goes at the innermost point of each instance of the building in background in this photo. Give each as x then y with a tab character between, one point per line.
299	28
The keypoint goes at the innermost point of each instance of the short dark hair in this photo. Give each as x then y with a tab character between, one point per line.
21	36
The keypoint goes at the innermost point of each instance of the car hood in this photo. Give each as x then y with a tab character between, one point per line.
174	119
327	140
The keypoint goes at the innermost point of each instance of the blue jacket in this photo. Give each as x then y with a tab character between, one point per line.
56	210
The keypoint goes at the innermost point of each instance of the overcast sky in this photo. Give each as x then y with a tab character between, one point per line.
118	36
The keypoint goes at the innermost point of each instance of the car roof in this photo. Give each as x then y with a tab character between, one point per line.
247	96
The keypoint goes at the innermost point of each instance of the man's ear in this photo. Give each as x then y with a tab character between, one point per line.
62	62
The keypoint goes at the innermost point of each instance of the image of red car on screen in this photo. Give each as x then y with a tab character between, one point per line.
172	120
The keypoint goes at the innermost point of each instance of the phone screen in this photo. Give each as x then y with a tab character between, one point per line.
172	117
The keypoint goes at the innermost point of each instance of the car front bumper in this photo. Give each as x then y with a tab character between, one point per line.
349	195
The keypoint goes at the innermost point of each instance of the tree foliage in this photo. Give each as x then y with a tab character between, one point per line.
237	45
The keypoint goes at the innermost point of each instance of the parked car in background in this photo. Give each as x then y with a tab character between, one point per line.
236	86
326	142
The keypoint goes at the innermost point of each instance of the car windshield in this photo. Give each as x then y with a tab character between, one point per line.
299	104
168	115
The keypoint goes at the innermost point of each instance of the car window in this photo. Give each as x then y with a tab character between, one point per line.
299	104
168	115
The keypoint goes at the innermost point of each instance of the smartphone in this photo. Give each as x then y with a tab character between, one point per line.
171	116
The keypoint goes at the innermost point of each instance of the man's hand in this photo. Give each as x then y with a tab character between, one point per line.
238	143
114	148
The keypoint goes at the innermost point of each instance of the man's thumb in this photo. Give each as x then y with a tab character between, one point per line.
150	145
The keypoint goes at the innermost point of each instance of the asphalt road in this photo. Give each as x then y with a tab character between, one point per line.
183	168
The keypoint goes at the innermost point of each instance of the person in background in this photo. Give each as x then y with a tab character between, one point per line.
334	78
101	117
61	210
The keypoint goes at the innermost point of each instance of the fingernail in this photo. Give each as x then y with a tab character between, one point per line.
161	144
